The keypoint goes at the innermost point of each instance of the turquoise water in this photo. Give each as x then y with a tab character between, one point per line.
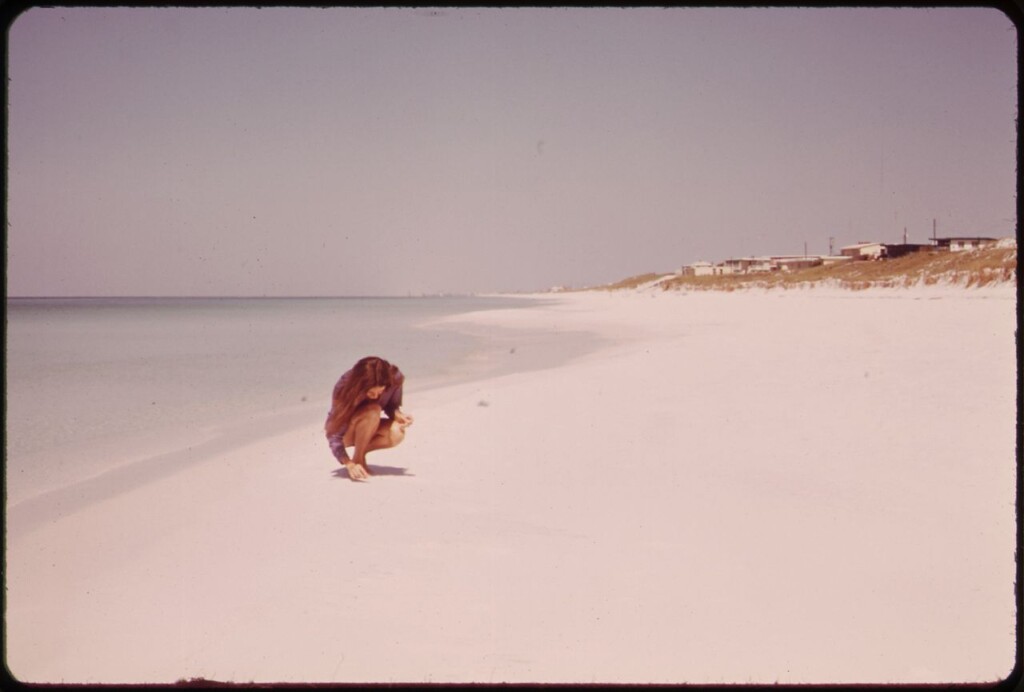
92	383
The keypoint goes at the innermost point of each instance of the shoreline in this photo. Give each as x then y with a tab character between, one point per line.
655	511
173	368
490	358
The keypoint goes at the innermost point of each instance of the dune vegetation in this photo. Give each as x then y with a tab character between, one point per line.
968	268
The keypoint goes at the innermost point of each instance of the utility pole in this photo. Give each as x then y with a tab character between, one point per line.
831	241
904	235
805	248
935	240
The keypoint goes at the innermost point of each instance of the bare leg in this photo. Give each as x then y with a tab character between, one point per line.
362	430
368	432
389	434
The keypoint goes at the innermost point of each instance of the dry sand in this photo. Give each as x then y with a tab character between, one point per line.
806	486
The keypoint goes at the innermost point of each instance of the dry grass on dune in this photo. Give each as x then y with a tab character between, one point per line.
631	282
969	268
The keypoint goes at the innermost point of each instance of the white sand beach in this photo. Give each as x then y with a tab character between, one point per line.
769	486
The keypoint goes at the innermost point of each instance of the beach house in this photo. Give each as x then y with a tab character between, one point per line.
863	251
698	269
789	263
747	265
958	244
894	250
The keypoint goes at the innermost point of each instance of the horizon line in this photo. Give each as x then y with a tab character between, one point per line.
262	296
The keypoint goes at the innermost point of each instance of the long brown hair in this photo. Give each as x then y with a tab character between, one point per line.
366	374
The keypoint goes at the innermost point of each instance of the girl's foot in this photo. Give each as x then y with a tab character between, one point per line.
357	472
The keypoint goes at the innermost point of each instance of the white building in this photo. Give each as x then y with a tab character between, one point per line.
794	262
863	251
964	243
698	269
747	265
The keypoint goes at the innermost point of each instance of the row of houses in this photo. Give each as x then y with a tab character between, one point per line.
851	253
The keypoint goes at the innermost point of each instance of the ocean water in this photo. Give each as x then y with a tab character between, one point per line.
95	383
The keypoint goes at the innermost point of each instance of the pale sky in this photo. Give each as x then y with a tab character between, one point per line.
341	151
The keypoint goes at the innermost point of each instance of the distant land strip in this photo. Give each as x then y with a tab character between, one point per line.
967	268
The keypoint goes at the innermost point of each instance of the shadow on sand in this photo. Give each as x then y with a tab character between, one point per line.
376	471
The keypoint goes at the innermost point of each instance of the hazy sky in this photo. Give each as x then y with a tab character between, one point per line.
339	151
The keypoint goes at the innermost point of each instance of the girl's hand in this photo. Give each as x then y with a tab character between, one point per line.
403	419
356	472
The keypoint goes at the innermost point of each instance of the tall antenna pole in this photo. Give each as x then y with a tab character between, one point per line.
831	240
935	240
904	235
